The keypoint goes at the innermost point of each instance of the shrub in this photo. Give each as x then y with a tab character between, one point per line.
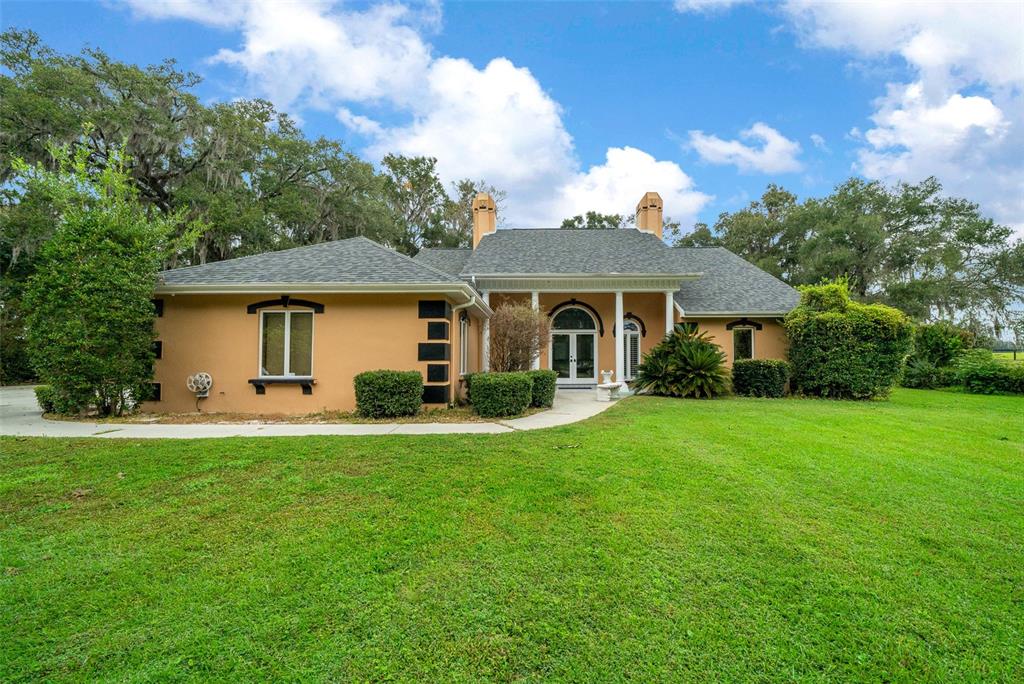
468	379
920	374
45	397
685	364
940	343
51	400
544	385
389	393
971	358
517	333
946	377
992	377
760	377
501	394
845	349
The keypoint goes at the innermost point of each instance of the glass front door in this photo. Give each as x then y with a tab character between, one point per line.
573	357
561	355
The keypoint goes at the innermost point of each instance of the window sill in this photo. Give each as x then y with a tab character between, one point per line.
306	382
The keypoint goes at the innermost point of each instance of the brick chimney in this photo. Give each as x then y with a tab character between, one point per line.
649	214
485	217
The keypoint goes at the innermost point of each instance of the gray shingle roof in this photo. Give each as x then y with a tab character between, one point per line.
356	260
553	250
730	284
448	260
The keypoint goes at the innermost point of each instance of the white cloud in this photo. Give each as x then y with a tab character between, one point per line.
819	141
616	186
496	123
212	12
967	142
955	41
705	6
961	118
359	123
776	153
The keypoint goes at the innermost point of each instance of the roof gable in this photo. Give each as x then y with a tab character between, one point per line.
730	285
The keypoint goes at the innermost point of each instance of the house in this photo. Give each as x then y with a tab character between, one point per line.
286	332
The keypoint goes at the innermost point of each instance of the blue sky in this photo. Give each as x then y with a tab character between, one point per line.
573	106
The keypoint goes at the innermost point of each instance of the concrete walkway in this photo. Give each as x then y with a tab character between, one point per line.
20	415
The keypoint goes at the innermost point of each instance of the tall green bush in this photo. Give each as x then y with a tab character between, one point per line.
939	343
685	364
844	349
389	393
89	309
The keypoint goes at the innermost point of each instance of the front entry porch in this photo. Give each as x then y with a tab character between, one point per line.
596	332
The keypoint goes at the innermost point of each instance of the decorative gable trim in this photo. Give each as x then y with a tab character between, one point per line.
285	301
743	323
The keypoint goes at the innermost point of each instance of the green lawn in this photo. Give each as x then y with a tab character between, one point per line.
732	540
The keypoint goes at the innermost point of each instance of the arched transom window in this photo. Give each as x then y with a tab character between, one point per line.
573	318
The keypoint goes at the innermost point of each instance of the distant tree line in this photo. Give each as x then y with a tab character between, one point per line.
909	246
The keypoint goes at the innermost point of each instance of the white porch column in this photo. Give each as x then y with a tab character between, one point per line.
670	312
620	371
535	302
485	344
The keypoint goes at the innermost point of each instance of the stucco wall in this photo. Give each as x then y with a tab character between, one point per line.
213	333
769	343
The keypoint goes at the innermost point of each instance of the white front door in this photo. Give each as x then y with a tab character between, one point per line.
574	357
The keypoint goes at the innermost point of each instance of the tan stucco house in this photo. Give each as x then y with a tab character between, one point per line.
286	332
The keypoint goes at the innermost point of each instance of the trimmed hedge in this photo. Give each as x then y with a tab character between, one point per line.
760	377
501	394
389	393
843	349
544	385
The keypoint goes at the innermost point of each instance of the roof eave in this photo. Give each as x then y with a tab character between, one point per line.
576	276
725	314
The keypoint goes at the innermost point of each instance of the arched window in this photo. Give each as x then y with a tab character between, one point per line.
573	318
630	347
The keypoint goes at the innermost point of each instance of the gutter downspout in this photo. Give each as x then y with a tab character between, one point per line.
460	307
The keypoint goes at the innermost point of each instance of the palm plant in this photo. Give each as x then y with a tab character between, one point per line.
685	364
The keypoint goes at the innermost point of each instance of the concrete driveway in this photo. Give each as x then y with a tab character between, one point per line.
20	415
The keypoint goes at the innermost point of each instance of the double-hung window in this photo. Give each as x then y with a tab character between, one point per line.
286	344
742	343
